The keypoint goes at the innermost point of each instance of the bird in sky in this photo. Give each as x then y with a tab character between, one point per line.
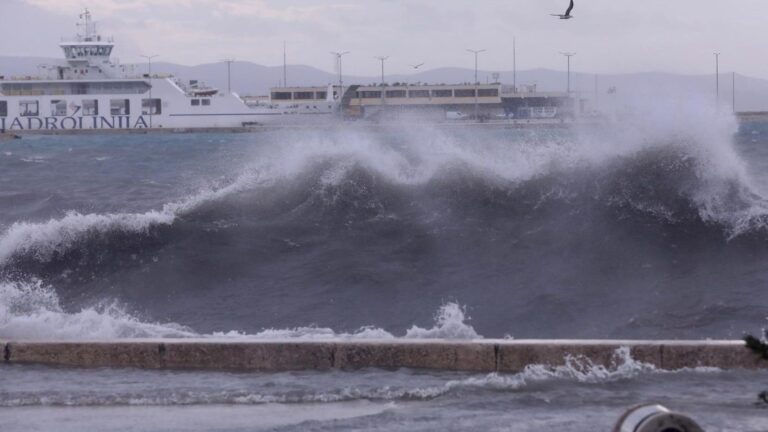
567	14
416	66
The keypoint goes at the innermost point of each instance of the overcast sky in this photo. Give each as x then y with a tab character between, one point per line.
609	36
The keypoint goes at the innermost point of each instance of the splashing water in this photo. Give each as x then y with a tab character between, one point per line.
32	311
410	185
725	193
450	323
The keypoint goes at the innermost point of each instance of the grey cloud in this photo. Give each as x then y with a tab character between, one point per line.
608	35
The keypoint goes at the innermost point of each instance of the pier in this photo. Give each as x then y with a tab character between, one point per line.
506	356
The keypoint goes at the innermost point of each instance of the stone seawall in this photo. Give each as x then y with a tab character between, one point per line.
283	355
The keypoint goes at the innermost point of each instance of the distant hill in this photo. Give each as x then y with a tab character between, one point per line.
254	79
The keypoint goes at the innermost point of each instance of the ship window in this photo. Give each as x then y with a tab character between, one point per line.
58	108
304	95
206	102
281	95
488	92
395	93
90	107
195	102
322	95
465	92
3	109
418	93
442	93
29	108
33	88
370	94
120	107
150	106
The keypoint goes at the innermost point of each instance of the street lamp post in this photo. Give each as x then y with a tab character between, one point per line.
229	74
476	53
514	64
717	81
149	73
382	59
339	55
733	91
568	55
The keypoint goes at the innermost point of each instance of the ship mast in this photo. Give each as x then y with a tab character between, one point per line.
88	26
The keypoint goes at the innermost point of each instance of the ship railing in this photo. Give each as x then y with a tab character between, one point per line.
21	78
153	76
36	93
96	38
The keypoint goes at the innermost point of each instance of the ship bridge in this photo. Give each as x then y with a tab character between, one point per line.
87	55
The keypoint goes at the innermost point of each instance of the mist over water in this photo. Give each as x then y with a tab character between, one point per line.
654	228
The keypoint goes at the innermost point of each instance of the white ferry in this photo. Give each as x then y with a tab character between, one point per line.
89	91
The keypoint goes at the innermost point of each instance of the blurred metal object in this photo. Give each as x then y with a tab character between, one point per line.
655	418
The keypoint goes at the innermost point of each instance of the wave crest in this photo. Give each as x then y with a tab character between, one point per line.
32	311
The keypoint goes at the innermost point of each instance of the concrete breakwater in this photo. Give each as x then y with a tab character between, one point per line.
285	355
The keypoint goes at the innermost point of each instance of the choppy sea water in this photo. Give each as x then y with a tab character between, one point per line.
645	230
577	397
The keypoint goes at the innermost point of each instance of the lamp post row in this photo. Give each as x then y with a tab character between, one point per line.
476	53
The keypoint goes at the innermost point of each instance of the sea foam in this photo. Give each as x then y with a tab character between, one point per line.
31	310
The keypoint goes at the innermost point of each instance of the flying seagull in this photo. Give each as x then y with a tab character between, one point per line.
417	65
567	14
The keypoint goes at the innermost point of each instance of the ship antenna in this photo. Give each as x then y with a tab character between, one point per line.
86	17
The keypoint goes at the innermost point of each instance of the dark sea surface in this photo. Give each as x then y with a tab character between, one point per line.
652	230
535	233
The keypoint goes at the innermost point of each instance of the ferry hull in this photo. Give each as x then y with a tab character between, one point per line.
162	105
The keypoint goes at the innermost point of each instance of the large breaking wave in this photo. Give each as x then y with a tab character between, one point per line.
338	228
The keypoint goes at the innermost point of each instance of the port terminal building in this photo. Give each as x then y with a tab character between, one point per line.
434	101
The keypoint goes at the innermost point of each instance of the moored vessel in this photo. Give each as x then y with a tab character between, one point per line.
90	91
